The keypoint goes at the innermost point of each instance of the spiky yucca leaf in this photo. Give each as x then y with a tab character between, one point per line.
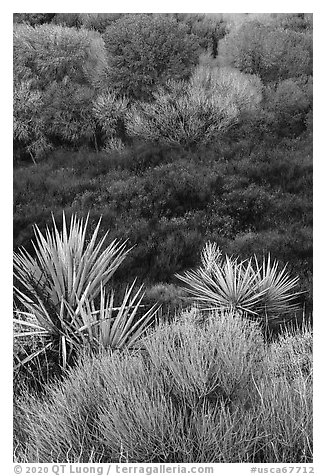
65	266
279	295
68	330
117	327
226	286
60	327
244	286
58	289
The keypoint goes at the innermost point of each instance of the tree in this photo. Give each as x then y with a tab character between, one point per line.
67	19
68	113
33	18
98	21
49	53
294	21
64	68
110	113
144	51
289	105
268	50
208	28
29	126
195	112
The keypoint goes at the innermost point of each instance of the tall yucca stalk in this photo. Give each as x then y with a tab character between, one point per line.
242	286
60	287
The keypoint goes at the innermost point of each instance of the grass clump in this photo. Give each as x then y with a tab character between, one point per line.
195	391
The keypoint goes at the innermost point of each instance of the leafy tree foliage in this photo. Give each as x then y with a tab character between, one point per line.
33	18
198	111
50	53
67	19
68	113
145	51
295	21
98	21
289	103
110	113
209	29
91	21
62	66
29	124
270	51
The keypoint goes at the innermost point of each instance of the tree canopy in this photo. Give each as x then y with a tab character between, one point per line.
268	50
144	51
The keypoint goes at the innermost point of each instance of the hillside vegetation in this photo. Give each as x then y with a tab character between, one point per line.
163	237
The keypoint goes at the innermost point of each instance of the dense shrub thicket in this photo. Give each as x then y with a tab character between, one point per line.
168	202
197	112
176	130
271	51
194	393
57	71
144	51
71	75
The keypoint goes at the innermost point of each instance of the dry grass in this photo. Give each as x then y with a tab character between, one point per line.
194	392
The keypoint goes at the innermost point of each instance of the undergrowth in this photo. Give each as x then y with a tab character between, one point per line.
197	390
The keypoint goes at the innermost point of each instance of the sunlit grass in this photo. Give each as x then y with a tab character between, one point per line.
212	392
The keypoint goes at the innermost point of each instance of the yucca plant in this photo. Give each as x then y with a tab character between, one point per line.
241	286
277	286
210	256
116	327
65	266
60	286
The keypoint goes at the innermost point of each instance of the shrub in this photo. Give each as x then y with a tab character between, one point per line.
196	112
29	124
171	298
285	166
64	68
168	190
33	18
68	113
110	112
251	206
289	104
193	394
291	355
49	53
267	50
98	21
244	91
